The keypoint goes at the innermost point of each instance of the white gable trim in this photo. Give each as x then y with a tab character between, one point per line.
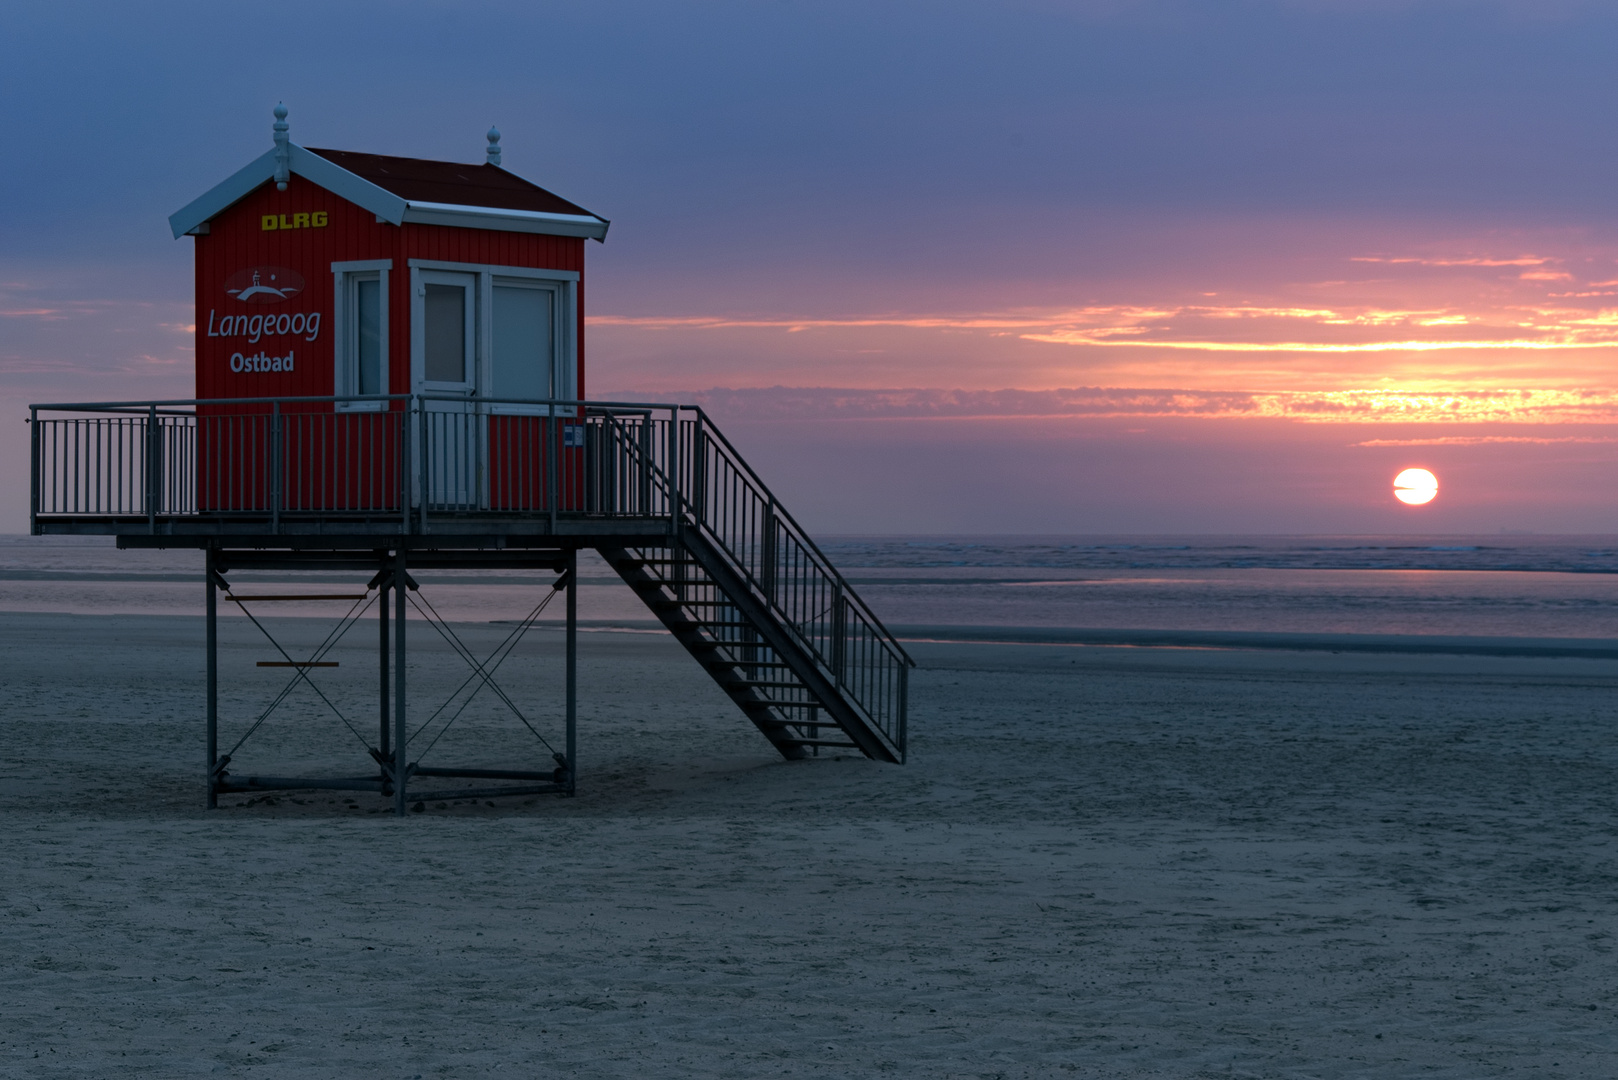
193	218
239	186
334	178
492	217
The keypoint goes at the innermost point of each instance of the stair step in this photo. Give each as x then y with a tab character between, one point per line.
765	685
736	661
691	603
820	742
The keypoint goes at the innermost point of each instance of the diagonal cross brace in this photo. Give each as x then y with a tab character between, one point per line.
485	669
299	671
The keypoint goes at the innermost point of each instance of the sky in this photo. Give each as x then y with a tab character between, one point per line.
1206	266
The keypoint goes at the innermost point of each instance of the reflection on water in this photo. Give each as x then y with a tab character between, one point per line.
1529	587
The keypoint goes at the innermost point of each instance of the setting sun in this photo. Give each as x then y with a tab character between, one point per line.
1415	487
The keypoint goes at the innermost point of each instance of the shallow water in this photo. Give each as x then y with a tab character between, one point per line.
1558	587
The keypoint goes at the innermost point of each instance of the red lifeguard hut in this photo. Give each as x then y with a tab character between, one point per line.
390	375
367	281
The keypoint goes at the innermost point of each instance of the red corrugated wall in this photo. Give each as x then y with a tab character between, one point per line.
237	242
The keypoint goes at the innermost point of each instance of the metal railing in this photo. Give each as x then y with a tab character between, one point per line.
784	569
729	505
415	459
174	460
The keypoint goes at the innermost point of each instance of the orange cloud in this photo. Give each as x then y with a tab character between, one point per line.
1479	440
1348	406
1404	345
1165	327
1521	260
1426	329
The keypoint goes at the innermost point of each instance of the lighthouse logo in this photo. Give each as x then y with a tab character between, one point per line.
264	284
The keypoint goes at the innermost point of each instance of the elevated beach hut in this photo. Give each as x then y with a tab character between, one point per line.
390	377
364	280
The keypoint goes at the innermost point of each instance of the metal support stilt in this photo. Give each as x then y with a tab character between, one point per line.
384	742
401	734
212	607
572	667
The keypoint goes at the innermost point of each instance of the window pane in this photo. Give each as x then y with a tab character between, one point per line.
368	347
445	344
523	343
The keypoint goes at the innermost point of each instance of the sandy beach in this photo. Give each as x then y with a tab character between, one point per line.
1102	862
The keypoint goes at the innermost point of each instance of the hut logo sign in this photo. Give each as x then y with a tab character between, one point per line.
262	326
264	284
261	362
277	222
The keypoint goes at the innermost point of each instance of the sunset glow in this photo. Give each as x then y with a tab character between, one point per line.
1273	247
1452	338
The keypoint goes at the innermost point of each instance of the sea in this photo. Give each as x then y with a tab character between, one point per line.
1562	588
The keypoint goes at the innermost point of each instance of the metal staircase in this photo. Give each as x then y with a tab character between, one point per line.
758	605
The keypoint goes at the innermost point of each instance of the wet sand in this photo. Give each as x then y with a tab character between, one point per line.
1099	862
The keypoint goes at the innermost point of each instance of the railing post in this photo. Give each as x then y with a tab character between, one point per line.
402	464
643	483
699	472
675	514
904	704
839	632
552	452
33	471
425	431
768	554
152	466
276	467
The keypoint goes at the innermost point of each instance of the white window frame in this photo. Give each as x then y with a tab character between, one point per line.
471	371
345	349
565	375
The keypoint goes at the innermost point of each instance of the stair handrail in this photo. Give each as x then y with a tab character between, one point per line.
687	506
762	491
825	565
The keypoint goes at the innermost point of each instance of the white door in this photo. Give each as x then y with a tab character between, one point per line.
445	330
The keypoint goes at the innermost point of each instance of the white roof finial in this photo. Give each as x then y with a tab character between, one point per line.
494	145
283	155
